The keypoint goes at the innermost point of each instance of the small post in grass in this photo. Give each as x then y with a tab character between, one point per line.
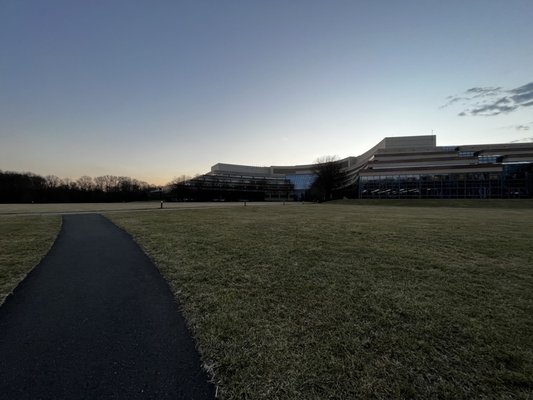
161	196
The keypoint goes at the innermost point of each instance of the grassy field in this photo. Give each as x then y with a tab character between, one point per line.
24	241
341	302
462	203
68	208
62	208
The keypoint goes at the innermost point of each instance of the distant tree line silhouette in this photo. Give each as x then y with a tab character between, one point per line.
16	187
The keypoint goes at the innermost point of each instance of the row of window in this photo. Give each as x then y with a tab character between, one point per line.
439	177
301	181
452	187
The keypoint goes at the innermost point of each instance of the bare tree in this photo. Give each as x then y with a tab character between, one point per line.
180	179
52	181
27	187
99	183
85	183
330	178
107	183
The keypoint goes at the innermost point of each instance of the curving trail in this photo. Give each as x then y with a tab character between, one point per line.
96	320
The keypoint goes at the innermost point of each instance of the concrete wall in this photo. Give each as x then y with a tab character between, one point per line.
241	169
401	143
410	141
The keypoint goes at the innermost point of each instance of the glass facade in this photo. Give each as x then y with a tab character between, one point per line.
229	187
514	181
301	181
488	159
396	168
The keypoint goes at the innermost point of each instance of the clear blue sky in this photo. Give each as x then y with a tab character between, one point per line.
156	89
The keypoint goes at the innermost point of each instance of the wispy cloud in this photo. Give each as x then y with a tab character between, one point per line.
477	92
490	101
522	127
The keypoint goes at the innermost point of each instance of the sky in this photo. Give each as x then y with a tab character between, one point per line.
158	89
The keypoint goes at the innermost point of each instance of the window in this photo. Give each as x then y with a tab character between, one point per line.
487	159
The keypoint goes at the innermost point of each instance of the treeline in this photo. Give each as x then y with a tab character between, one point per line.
18	187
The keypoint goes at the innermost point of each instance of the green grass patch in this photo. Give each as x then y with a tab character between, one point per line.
337	302
24	241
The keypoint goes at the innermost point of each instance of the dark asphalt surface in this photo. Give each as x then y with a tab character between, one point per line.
96	320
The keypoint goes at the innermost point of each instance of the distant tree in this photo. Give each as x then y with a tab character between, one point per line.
23	187
330	179
68	183
181	187
99	183
52	181
85	183
107	183
26	187
180	180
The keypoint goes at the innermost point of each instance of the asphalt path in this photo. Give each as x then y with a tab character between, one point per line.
96	320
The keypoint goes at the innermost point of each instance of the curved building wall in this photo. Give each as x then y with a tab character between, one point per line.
396	167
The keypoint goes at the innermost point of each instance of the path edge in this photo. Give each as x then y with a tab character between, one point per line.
35	266
205	364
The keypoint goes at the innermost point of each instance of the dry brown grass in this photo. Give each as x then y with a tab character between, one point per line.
69	208
24	241
342	302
